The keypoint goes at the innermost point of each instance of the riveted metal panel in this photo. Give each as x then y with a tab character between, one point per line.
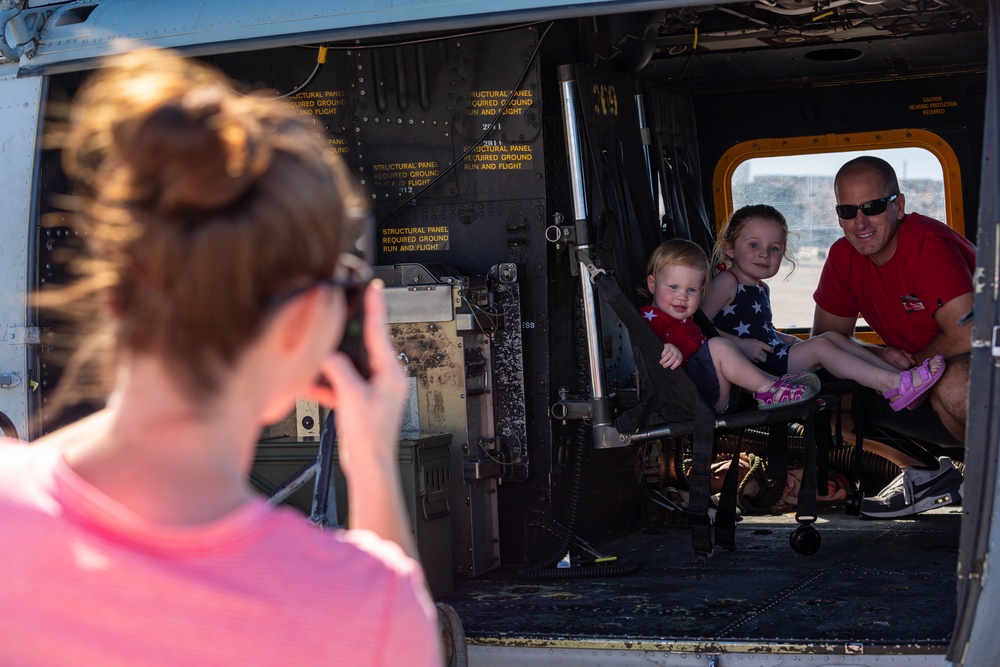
20	109
78	33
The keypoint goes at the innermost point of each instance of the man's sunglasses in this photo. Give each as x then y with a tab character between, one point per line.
869	208
359	274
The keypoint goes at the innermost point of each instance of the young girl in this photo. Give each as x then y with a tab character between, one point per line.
752	244
677	278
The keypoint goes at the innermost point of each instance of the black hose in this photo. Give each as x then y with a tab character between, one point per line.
543	567
615	569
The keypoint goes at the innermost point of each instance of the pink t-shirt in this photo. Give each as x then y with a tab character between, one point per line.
83	581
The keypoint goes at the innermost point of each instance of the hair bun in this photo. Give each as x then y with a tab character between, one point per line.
195	152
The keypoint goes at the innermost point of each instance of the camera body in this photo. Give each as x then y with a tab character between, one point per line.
353	343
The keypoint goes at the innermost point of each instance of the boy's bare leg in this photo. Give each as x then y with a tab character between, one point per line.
733	368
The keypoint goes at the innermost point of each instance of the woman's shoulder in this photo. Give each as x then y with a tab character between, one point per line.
358	550
23	463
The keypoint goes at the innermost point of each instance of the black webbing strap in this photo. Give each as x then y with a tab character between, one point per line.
806	509
777	451
700	478
725	517
824	442
671	394
859	415
632	237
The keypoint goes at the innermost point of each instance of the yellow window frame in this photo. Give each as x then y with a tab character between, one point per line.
832	143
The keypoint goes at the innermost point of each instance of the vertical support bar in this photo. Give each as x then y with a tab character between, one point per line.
324	508
647	143
580	214
567	86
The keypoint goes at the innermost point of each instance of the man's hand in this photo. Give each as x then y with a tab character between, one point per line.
901	359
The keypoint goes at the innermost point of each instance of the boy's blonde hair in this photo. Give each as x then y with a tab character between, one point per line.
731	231
679	252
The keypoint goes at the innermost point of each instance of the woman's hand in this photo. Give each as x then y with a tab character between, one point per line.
368	418
671	357
368	412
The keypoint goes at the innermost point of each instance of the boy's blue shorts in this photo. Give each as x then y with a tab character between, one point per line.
701	370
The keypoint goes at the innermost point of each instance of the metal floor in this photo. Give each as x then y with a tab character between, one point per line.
887	584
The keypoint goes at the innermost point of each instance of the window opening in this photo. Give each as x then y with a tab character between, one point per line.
799	183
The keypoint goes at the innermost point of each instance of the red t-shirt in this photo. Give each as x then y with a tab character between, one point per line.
685	334
932	265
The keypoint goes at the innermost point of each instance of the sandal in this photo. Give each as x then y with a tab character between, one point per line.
909	393
807	379
788	389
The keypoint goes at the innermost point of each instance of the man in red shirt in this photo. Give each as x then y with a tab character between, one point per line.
910	277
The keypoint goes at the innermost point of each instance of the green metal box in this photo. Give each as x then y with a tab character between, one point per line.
425	471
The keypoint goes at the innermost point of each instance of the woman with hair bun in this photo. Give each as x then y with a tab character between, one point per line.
215	225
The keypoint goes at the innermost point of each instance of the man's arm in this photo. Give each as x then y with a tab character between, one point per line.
824	321
953	339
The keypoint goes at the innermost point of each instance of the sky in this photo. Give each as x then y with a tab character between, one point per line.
908	162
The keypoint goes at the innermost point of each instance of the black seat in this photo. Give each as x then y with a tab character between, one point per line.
670	405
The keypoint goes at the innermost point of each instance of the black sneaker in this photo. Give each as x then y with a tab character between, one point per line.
916	490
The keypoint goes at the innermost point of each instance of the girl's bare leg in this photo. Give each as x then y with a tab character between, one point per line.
844	359
846	344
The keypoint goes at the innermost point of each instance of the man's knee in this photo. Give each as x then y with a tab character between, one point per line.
950	394
949	397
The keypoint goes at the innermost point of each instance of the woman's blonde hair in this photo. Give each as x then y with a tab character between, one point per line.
678	252
734	224
199	205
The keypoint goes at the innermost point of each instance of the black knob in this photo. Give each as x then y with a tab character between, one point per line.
805	540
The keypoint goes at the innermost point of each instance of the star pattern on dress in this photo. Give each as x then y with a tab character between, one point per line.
649	315
749	316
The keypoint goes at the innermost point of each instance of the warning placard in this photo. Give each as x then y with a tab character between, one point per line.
404	175
933	105
489	102
415	239
318	102
498	156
